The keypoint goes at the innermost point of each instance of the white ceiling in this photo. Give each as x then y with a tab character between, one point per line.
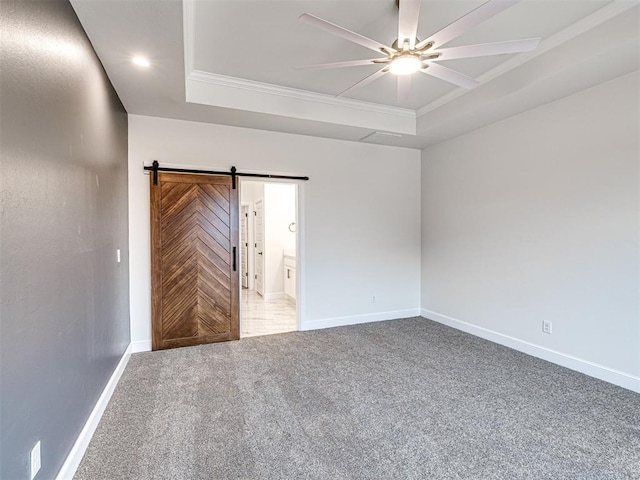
265	41
233	60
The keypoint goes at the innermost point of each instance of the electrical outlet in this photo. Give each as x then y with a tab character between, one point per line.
35	460
373	299
118	255
546	326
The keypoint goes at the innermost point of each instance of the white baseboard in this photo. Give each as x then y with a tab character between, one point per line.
72	462
600	372
141	346
356	319
268	297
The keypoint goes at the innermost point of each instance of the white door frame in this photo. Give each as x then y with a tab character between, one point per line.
300	254
300	250
259	256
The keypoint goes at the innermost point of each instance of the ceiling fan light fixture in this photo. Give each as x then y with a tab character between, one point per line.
405	64
408	54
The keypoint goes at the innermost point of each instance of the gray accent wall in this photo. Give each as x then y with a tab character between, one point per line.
64	315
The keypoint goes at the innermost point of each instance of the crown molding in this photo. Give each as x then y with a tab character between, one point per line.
583	25
209	88
246	95
308	96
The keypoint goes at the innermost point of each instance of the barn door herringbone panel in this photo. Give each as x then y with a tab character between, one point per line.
194	287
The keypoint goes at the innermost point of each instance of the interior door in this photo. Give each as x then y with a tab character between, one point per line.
244	245
259	246
194	279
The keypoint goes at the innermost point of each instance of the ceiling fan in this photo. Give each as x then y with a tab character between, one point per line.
408	54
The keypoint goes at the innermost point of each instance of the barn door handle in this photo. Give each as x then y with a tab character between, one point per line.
234	259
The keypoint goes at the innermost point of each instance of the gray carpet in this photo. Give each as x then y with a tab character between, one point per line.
399	399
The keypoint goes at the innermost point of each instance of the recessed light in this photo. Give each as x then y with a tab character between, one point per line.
141	61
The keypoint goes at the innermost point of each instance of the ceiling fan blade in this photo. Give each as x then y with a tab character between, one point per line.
451	76
404	87
485	49
408	22
350	63
470	20
364	81
344	33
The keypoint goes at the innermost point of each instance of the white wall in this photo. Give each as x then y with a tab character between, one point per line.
359	215
279	212
251	191
537	217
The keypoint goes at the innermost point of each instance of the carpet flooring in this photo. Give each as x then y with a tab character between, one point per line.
402	399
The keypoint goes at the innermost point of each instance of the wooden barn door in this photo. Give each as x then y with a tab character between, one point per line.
194	278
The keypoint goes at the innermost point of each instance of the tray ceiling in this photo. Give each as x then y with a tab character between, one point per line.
264	40
231	62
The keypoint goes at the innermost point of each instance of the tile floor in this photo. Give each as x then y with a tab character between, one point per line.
259	317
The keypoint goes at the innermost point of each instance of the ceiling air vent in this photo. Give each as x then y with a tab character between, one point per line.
380	137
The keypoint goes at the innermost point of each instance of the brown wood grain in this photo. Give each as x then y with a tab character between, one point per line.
194	290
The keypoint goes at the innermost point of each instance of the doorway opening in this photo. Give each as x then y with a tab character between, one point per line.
268	258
